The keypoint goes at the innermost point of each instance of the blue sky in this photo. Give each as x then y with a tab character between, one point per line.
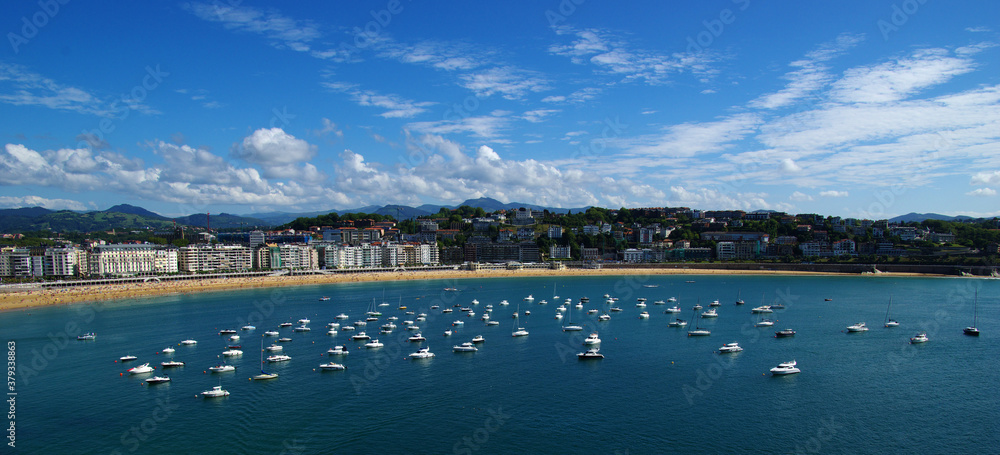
870	109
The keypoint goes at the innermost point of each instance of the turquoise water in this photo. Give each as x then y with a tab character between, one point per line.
657	390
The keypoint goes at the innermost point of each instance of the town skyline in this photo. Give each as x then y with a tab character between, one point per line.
878	110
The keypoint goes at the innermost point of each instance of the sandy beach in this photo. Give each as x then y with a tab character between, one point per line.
57	296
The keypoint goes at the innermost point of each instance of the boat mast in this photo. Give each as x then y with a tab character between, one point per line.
887	309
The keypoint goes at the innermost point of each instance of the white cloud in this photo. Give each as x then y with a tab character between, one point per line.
982	192
329	127
272	146
898	79
284	32
788	166
37	201
508	82
690	139
485	126
395	105
811	74
800	197
986	178
21	87
539	115
833	193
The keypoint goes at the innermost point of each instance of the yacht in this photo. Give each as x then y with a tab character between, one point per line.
458	322
710	313
785	368
168	350
673	309
520	332
697	307
592	339
144	368
331	366
644	315
659	302
730	347
699	332
348	328
232	353
604	317
434	307
672	300
189	342
504	302
284	340
87	337
271	333
762	309
417	337
572	328
374	344
784	333
171	364
158	380
590	354
338	350
304	321
248	327
715	303
446	310
216	392
339	316
422	353
465	347
278	358
127	358
227	332
677	323
492	323
559	316
478	339
764	323
543	302
640	305
360	336
920	338
360	323
529	298
285	324
859	327
275	348
221	368
448	333
234	338
592	311
301	328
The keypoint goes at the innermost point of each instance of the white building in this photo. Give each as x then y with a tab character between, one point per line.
725	250
555	232
213	258
559	252
126	259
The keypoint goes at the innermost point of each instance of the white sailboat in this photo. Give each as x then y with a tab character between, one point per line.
263	374
518	331
972	330
570	327
889	322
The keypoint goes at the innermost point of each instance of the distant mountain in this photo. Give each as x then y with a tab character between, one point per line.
133	210
403	211
13	220
918	217
222	221
68	220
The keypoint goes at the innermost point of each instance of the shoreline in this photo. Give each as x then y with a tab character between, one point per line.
23	300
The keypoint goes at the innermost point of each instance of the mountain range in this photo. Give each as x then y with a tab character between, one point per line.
127	217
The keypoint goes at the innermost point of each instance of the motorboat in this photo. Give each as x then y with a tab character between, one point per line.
527	312
271	333
189	342
144	368
584	299
764	323
87	337
422	353
859	327
711	313
697	307
641	300
699	332
127	358
407	322
339	316
388	326
920	338
457	322
640	305
590	354
172	364
559	316
478	339
604	317
643	315
248	327
673	309
492	323
447	310
572	328
465	347
714	303
158	380
278	358
348	328
222	368
677	323
324	299
762	309
504	302
168	350
331	366
227	332
215	392
416	338
785	368
360	336
614	309
275	348
592	311
301	328
284	340
304	321
338	350
529	298
392	318
285	324
659	302
672	300
374	344
360	323
475	302
234	338
262	376
520	332
784	333
730	347
232	353
777	306
592	339
434	307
